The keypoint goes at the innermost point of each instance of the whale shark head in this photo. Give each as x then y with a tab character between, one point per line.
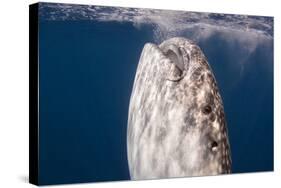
176	122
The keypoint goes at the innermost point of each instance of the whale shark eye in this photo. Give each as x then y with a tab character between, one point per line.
207	109
214	146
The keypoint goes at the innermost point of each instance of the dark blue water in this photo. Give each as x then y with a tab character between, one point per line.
87	70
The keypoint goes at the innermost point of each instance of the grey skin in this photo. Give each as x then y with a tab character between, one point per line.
176	121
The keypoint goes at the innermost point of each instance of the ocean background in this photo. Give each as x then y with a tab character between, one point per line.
88	57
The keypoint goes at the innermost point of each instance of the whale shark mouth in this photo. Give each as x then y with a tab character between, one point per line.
174	53
179	57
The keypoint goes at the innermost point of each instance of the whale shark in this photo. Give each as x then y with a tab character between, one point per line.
176	121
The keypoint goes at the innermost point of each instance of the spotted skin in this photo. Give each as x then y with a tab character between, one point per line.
176	122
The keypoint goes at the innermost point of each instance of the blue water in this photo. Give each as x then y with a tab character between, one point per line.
87	70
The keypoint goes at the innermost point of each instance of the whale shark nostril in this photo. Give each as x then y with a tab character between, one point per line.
207	109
